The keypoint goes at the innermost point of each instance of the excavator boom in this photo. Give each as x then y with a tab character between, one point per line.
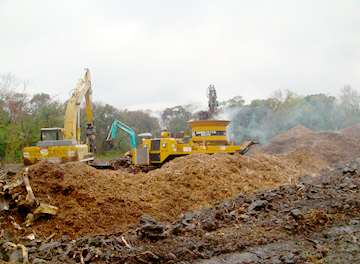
72	122
117	124
213	103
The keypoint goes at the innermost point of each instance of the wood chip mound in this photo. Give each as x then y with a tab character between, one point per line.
95	201
317	149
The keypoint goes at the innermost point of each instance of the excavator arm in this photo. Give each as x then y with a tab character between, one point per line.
117	124
72	119
213	103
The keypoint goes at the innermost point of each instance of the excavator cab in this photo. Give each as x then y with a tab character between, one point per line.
52	134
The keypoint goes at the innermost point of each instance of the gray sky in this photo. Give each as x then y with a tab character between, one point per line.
162	53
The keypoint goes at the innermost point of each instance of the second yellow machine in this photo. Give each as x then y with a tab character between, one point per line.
208	136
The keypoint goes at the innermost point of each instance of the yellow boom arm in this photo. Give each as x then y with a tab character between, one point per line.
72	122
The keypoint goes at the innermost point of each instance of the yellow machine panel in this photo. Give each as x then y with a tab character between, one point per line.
162	150
209	130
58	154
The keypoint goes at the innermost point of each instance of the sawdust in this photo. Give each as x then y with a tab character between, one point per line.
95	201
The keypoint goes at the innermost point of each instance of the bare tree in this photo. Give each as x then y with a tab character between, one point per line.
350	99
8	85
277	96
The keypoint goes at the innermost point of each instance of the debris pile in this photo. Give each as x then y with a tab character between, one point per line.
94	201
228	202
125	163
18	196
313	220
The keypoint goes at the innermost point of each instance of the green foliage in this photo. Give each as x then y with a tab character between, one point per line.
104	116
236	101
141	122
175	119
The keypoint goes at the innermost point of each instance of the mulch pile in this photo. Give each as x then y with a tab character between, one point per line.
95	201
320	150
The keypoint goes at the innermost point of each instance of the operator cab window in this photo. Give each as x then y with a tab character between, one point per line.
155	145
51	134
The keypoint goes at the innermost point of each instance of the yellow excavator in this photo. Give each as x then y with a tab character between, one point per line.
62	145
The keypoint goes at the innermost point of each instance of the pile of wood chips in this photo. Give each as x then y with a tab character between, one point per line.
92	201
317	149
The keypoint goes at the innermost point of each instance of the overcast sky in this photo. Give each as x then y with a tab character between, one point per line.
162	53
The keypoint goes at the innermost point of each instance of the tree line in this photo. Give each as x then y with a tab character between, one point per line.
22	115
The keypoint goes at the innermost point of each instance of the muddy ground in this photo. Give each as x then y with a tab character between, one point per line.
295	201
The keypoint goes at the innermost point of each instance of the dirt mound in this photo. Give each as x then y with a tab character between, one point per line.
351	131
284	143
324	149
95	201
